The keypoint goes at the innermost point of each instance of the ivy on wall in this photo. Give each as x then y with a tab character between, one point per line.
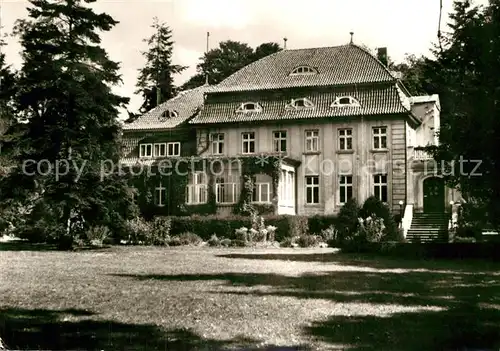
175	181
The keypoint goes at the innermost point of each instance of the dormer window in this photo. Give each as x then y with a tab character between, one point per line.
249	107
167	115
300	103
345	101
303	70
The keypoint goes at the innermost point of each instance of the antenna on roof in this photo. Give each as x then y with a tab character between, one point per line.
206	52
284	43
352	35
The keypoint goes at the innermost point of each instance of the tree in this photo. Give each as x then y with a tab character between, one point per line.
159	70
414	74
64	93
7	90
465	75
229	57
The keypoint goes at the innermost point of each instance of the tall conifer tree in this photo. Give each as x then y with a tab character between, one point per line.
155	81
72	128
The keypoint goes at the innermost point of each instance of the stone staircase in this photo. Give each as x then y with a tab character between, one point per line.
428	227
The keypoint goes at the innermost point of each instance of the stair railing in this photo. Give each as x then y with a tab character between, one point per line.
407	219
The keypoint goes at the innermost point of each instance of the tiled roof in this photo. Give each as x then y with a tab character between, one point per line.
339	65
384	99
185	105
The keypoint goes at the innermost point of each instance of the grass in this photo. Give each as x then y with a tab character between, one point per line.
144	298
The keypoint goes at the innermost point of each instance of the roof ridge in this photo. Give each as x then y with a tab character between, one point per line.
176	97
319	47
376	59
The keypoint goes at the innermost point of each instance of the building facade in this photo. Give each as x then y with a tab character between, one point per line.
338	121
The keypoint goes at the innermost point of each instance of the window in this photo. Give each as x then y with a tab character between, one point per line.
249	107
287	188
380	186
312	189
262	188
279	141
248	143
167	114
379	138
160	150
261	192
174	149
312	140
197	189
146	150
303	70
345	186
345	139
345	101
217	143
300	103
160	195
226	189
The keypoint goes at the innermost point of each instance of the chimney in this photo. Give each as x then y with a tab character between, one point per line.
382	56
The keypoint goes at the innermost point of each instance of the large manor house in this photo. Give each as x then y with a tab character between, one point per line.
343	125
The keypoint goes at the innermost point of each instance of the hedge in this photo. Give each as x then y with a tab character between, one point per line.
206	226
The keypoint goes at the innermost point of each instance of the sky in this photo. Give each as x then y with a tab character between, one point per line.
403	26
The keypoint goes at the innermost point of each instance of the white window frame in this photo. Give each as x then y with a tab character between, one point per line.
168	114
312	135
345	134
379	134
352	102
173	145
217	140
160	191
258	186
220	188
312	182
303	70
243	108
380	185
248	138
197	189
344	185
143	150
278	137
293	104
158	147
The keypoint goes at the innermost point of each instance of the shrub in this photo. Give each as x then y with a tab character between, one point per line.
160	231
271	230
286	226
96	236
238	243
241	234
298	226
138	231
319	223
373	206
189	238
459	239
371	229
175	241
330	236
347	220
308	241
214	241
225	242
287	242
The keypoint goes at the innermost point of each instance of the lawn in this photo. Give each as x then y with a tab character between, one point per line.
146	298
